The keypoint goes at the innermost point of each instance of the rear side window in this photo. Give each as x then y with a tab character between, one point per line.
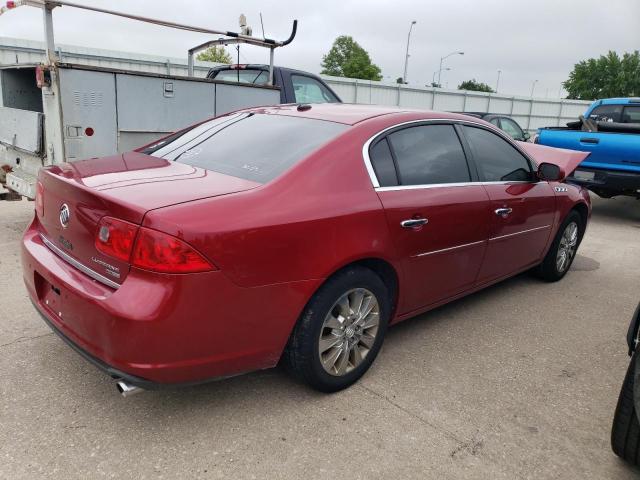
310	90
606	113
497	160
254	76
429	154
631	115
256	147
382	162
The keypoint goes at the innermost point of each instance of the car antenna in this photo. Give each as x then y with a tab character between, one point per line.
262	25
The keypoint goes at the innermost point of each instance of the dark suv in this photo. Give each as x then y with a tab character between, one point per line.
625	433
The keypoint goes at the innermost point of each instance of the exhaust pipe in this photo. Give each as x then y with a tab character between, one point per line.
126	389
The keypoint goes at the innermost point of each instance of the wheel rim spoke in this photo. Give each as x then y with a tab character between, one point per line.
329	342
357	356
343	361
368	340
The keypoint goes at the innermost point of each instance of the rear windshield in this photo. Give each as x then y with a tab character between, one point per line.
256	77
256	147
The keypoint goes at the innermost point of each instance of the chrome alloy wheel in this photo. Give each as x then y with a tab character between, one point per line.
567	247
349	331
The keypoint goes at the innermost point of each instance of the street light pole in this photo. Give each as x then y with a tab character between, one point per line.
406	58
533	85
442	59
433	78
498	81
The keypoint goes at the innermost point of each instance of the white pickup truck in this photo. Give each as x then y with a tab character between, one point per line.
55	112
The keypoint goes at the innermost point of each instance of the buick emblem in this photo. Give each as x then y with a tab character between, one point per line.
65	215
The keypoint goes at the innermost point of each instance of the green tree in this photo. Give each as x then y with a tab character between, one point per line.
476	86
607	76
216	54
348	59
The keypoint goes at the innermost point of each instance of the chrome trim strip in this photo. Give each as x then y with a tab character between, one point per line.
448	249
372	174
442	185
84	269
519	233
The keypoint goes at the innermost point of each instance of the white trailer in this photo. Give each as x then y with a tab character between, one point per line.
57	112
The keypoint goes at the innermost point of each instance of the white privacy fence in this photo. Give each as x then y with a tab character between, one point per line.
530	113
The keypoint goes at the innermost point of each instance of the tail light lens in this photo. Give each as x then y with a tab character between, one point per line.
164	253
115	238
40	199
148	249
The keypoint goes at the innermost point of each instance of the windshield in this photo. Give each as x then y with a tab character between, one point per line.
256	147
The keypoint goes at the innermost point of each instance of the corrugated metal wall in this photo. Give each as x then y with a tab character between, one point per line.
530	113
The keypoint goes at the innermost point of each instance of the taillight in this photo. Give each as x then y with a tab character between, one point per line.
115	238
40	199
164	253
148	249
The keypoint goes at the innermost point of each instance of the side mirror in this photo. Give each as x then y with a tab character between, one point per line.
526	136
549	172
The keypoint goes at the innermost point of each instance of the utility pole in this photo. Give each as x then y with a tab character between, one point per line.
498	81
406	58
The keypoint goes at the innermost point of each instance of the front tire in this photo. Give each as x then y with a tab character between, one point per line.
625	433
341	330
563	250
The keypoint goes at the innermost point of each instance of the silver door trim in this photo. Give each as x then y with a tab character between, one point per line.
448	249
83	268
520	233
374	179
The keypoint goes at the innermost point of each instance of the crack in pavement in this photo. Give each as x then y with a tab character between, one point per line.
25	339
473	446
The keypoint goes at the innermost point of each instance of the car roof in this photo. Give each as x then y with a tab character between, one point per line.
348	113
617	101
257	66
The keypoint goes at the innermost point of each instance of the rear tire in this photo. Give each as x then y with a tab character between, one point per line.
625	433
567	240
341	330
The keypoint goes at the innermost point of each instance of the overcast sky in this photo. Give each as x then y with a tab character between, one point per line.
528	40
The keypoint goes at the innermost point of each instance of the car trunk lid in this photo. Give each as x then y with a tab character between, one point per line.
77	195
567	160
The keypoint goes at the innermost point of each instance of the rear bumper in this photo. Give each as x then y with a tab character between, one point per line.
611	181
162	329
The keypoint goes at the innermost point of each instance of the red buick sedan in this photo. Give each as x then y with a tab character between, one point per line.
294	233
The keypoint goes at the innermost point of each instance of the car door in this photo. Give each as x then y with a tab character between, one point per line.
307	89
522	207
436	212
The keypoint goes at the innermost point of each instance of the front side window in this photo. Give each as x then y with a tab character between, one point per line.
512	129
310	90
429	154
497	160
606	113
256	147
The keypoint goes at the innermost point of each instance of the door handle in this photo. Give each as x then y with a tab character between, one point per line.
503	212
590	140
414	222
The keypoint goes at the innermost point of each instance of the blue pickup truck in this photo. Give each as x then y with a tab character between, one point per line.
610	131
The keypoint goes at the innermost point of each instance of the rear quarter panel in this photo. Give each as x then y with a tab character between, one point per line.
319	216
